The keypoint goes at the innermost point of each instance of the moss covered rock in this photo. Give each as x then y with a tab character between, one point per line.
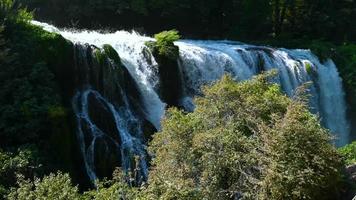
166	55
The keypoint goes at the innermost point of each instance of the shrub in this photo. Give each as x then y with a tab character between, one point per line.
308	68
55	186
349	153
167	38
117	188
24	161
11	11
165	44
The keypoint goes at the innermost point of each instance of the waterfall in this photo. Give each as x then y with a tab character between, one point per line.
206	61
124	120
200	63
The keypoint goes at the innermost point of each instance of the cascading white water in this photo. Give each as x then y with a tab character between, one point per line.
203	62
142	67
124	120
141	64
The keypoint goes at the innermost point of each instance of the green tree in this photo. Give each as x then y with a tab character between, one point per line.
302	162
244	140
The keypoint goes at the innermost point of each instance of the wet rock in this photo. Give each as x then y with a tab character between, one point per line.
267	50
170	77
351	171
102	117
107	156
148	131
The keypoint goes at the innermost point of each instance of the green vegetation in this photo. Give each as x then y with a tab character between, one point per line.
24	161
308	68
349	153
55	186
59	186
99	56
244	139
235	19
117	188
111	53
345	58
164	44
32	113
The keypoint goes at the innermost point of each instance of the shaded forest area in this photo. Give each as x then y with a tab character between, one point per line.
233	19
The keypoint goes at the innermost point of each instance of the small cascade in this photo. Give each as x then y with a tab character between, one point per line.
110	119
118	103
138	60
127	146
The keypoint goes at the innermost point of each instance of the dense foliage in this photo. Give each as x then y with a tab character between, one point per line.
50	187
349	153
244	140
346	58
33	120
24	161
165	43
60	187
237	19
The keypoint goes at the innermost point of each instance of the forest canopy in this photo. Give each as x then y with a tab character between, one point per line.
234	19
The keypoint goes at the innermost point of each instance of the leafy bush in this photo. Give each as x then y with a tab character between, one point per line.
308	68
244	140
55	186
117	188
58	186
165	44
11	11
166	38
25	161
349	153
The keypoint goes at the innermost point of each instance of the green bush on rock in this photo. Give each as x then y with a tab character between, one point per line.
166	38
164	44
308	68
